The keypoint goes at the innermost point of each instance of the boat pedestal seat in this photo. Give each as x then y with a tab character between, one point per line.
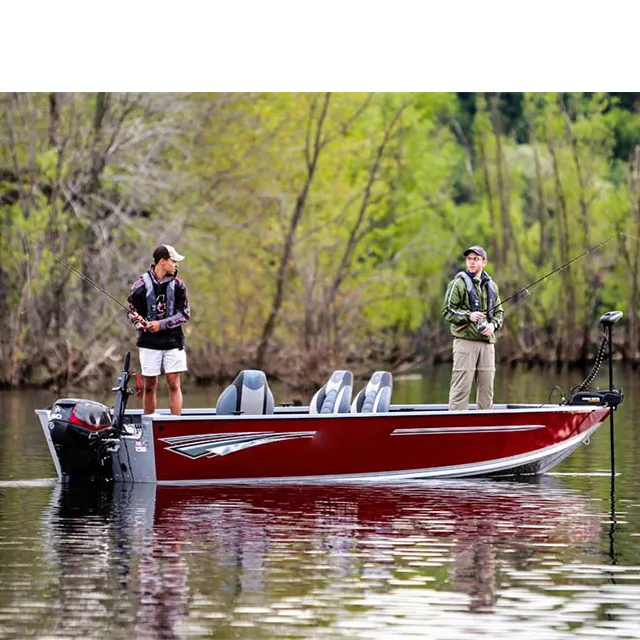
248	394
376	396
334	396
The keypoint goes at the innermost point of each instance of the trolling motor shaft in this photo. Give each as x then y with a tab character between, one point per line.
610	397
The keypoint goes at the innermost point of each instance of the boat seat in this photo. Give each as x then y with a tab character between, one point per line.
248	394
335	395
376	396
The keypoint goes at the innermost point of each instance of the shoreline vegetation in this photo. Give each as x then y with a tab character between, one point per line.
320	230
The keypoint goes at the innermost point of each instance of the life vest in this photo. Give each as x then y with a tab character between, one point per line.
474	299
151	297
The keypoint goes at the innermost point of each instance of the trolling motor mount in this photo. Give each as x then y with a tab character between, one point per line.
122	392
610	397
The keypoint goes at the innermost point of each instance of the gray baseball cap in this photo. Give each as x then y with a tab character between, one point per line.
476	249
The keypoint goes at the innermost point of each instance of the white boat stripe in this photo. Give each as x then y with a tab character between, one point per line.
479	429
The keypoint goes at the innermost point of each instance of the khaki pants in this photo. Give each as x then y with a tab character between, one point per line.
472	359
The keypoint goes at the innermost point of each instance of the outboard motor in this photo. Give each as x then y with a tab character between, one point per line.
83	436
85	433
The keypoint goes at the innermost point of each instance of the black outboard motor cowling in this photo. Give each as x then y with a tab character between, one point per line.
83	437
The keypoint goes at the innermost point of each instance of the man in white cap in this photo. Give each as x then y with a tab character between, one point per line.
473	309
159	306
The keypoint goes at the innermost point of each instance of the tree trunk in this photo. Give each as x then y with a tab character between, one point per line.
588	270
632	345
354	236
509	240
541	206
312	155
486	178
567	323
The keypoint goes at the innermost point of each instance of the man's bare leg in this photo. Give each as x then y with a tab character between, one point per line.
150	386
175	393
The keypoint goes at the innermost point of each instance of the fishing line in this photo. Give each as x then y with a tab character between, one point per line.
87	279
628	235
524	292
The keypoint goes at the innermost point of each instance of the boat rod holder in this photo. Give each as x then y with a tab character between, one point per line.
610	397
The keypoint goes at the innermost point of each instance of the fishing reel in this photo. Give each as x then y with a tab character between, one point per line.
482	325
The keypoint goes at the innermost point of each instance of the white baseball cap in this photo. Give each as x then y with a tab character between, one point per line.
165	251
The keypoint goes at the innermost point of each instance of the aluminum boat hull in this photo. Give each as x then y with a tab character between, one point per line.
408	442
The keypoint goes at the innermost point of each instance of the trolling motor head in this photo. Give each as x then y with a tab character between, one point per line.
611	397
610	318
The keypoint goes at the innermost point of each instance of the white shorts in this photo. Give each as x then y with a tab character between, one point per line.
152	361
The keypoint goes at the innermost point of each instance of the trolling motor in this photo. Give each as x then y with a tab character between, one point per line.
611	397
585	395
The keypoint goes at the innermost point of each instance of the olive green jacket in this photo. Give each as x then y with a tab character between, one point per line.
457	309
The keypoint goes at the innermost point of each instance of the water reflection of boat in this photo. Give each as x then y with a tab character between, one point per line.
438	508
155	549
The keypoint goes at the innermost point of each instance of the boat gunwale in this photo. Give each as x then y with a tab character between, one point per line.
396	411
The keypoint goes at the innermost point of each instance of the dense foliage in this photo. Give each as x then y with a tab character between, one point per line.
320	229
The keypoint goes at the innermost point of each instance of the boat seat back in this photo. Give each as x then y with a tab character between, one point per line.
335	395
376	396
248	394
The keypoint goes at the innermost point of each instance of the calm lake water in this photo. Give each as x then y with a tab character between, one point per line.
555	558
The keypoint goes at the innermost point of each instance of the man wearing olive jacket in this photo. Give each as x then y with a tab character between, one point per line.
473	309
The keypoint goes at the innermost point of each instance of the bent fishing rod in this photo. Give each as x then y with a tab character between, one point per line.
524	292
92	283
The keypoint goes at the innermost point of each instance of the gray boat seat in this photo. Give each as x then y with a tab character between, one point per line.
335	395
248	394
376	396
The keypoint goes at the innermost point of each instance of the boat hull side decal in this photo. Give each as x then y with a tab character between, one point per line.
222	444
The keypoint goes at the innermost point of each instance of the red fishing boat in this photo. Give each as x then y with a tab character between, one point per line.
246	438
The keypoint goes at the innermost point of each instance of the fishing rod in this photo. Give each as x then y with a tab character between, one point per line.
524	292
91	282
